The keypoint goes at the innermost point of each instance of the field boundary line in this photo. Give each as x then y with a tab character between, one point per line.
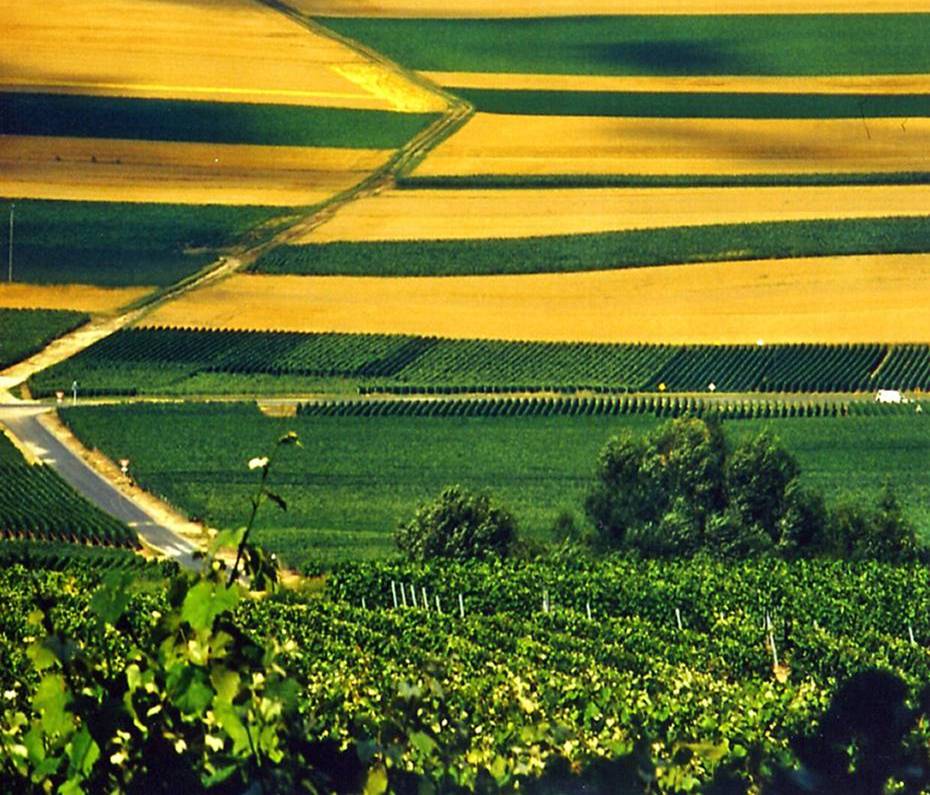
882	363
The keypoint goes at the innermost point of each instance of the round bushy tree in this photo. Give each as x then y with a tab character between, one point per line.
459	525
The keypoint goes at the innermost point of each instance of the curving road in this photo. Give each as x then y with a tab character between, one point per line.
22	419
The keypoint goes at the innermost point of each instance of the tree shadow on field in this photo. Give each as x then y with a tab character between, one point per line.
666	57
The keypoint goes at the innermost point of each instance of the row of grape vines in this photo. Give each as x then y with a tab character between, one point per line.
657	405
487	672
36	504
404	364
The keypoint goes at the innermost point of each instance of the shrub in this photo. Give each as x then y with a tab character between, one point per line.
458	525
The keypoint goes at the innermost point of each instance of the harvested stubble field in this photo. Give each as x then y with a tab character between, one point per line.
91	169
557	8
77	297
515	145
476	214
839	299
721	84
178	49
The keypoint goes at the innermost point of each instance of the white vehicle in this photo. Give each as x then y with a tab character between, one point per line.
888	396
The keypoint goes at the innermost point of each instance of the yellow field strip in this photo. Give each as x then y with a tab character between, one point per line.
236	50
549	8
181	173
831	84
357	99
839	299
466	213
78	297
503	144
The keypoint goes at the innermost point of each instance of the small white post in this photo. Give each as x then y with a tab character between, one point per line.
74	386
545	601
394	593
364	606
910	632
403	594
425	601
413	596
678	619
774	650
438	608
461	607
587	607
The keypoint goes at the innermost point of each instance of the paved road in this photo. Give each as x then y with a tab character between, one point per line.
23	422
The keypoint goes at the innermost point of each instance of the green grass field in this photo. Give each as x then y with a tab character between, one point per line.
356	477
696	105
116	244
603	250
210	122
809	44
26	331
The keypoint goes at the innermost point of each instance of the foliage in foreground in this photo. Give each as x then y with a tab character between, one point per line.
681	488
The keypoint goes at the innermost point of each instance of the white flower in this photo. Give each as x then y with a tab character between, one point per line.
258	463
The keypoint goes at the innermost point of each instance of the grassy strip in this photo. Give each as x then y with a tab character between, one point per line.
209	122
24	332
525	181
117	244
801	44
357	477
603	250
711	105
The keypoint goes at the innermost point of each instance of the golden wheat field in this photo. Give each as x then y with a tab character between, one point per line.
78	297
503	144
181	173
838	299
540	8
450	214
223	50
725	84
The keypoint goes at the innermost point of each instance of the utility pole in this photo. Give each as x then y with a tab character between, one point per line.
10	255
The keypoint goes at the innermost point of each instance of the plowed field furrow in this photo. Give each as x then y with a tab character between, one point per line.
503	144
180	173
724	84
452	214
831	299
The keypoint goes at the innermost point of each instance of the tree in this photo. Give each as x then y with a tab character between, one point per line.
758	474
671	479
459	525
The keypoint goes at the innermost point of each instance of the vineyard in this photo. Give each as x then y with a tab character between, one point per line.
24	332
167	360
357	476
486	674
37	505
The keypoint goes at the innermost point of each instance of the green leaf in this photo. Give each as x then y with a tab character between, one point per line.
41	655
226	684
84	753
228	720
71	787
276	499
110	600
205	601
377	781
51	702
425	744
227	539
34	746
189	690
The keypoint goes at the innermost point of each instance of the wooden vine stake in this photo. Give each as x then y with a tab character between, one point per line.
678	619
461	607
394	593
587	607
